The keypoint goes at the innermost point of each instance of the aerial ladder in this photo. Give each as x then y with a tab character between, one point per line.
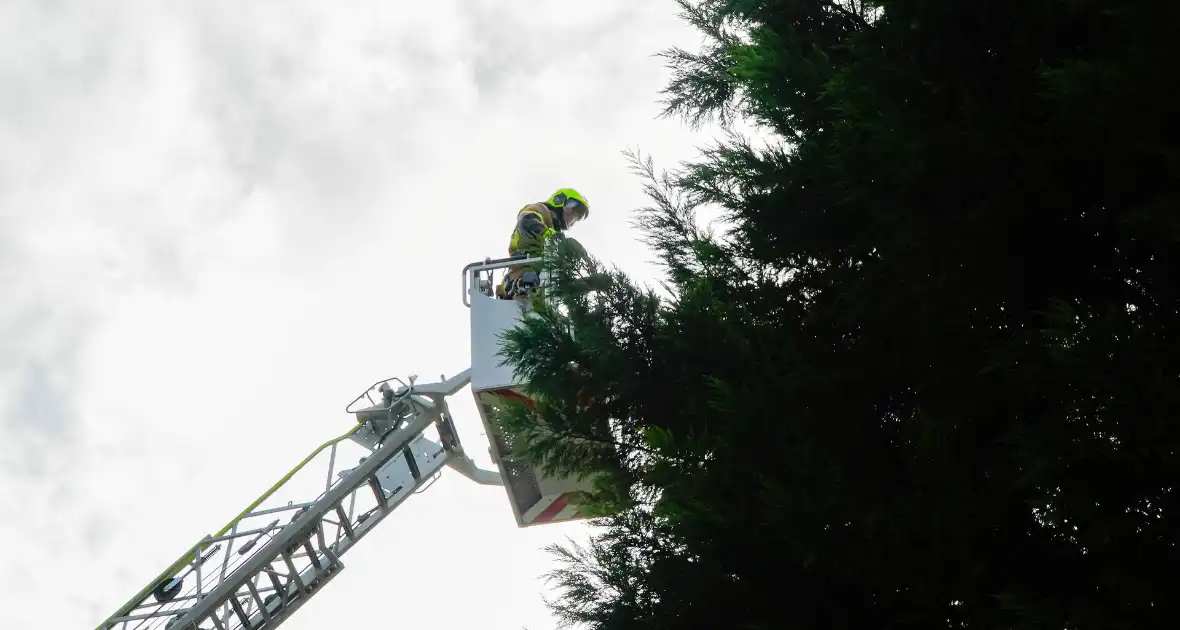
286	545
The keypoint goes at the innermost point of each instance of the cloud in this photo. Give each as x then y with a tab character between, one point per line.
218	220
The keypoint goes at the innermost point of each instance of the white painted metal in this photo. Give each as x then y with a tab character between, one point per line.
536	498
398	478
256	576
491	317
258	569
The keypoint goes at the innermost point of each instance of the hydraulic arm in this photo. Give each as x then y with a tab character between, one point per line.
286	545
270	559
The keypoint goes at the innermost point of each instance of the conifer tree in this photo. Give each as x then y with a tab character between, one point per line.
926	373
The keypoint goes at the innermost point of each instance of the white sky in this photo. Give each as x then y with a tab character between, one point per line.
220	221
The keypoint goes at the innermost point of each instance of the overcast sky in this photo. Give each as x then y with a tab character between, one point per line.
220	221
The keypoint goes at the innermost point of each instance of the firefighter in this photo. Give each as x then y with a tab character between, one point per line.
536	223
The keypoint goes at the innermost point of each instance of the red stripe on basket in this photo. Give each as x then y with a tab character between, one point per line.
508	393
549	513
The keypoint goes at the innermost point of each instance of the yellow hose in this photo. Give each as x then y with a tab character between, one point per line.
189	555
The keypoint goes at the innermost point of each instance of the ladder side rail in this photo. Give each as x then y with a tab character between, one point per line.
143	597
303	527
319	576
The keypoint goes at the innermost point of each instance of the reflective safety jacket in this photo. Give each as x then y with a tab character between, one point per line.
534	225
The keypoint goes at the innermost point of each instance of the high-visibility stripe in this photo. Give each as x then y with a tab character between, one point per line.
508	393
553	510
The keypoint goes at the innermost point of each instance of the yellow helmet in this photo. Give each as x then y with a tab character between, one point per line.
571	207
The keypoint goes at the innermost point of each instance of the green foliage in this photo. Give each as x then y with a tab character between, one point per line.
927	375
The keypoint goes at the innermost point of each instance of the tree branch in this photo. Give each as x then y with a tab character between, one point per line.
570	435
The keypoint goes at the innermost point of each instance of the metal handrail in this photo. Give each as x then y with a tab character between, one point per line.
489	264
403	389
192	552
